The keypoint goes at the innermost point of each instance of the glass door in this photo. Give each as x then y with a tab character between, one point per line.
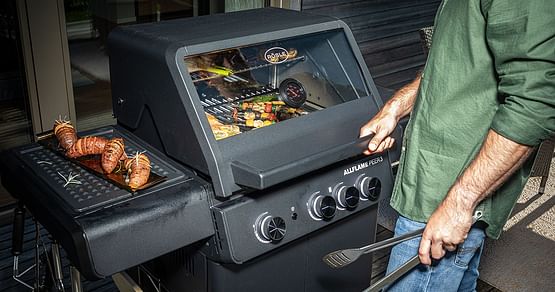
15	122
88	23
15	125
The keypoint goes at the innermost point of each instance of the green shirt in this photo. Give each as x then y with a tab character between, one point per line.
491	66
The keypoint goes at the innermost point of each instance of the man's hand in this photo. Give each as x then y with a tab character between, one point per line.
383	124
447	227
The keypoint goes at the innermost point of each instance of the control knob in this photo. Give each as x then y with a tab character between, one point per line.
369	187
269	228
322	207
347	197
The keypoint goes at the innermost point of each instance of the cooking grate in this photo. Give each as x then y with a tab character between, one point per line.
81	189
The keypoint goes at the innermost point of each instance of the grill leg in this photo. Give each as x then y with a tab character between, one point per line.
17	243
37	256
57	266
75	280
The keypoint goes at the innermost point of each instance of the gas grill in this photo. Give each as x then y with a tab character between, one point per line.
253	118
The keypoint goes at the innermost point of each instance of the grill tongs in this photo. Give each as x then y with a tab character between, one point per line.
344	257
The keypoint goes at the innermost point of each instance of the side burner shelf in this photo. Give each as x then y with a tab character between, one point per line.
90	191
105	229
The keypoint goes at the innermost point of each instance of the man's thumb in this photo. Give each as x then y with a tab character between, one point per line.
376	140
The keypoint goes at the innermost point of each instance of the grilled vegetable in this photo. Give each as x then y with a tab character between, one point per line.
248	115
258	123
268	107
65	133
112	154
138	168
87	146
261	106
254	123
264	98
282	116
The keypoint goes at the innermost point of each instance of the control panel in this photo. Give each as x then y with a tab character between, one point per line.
289	211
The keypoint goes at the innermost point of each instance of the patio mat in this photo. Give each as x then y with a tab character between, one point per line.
523	258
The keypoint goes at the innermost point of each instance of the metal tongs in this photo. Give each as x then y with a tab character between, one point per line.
344	257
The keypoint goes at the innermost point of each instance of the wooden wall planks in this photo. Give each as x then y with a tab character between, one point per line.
386	32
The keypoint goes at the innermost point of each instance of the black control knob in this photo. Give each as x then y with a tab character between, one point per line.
323	207
270	228
369	187
347	197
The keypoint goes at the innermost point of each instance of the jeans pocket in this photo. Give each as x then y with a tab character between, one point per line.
464	255
469	247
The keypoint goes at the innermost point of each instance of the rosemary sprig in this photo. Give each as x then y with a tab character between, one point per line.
70	179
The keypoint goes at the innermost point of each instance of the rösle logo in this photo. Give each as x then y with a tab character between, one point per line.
276	55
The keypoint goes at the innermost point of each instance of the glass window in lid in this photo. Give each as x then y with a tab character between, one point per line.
246	88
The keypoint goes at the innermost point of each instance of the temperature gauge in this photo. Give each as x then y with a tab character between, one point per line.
292	92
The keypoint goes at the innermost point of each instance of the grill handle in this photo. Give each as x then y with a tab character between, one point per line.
256	178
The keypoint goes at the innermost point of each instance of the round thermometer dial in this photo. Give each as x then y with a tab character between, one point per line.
292	92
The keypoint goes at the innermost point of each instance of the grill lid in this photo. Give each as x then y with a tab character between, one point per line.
251	108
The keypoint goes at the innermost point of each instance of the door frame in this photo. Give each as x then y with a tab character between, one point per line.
46	62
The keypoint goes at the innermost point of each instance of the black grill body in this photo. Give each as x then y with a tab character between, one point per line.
267	204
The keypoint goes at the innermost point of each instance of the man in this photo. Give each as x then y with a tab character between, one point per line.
486	98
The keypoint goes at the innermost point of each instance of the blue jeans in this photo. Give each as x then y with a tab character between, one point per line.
456	271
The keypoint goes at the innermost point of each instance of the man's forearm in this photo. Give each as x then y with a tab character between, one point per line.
402	102
496	161
450	223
